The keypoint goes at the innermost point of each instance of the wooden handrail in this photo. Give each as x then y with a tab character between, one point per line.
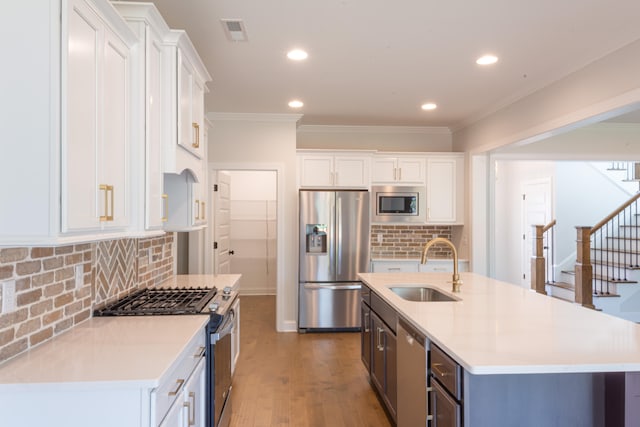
609	217
548	226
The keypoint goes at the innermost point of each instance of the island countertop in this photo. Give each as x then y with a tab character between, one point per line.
500	328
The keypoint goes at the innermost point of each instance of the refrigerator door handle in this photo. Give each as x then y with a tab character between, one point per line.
333	287
339	237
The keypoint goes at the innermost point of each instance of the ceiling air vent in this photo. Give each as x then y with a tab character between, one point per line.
234	30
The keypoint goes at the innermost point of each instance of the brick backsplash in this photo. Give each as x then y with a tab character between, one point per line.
407	241
48	299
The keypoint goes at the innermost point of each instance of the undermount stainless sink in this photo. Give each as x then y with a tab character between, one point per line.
420	293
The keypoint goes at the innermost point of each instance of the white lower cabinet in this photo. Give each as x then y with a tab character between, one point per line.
188	410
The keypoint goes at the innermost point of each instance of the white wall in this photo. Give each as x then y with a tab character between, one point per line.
253	185
608	84
509	179
382	138
255	141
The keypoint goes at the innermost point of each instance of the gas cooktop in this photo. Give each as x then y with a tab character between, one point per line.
159	301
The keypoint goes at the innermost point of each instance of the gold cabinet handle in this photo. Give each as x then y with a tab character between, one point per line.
192	408
196	140
200	352
203	210
179	384
165	200
436	368
104	188
107	189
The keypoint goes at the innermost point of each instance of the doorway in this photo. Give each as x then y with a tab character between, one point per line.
247	213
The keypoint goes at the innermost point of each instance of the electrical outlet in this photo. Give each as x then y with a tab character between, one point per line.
9	296
79	276
380	238
150	252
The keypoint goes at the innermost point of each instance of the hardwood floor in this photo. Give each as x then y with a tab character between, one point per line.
291	379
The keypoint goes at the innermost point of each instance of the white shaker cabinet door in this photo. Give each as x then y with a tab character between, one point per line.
441	191
81	127
155	205
113	160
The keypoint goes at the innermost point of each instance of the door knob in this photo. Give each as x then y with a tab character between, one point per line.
231	252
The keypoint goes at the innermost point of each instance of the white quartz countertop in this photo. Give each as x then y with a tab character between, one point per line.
133	351
500	328
128	351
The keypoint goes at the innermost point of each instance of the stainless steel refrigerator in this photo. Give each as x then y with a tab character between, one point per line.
334	248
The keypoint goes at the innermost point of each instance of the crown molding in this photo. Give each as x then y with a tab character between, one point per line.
254	117
426	130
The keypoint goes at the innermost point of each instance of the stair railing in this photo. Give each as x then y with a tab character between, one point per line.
604	251
542	271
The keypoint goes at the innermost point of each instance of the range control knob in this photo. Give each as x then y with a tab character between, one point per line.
226	290
213	307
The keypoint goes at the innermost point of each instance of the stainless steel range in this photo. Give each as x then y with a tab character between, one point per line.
184	301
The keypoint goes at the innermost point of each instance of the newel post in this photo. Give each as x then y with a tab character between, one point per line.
584	269
537	260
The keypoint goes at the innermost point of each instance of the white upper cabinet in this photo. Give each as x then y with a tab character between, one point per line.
67	171
96	140
183	139
148	107
170	111
328	170
398	169
445	189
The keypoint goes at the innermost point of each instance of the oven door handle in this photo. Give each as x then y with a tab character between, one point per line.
225	328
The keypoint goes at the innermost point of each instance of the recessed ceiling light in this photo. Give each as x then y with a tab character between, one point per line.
487	60
429	106
297	55
295	104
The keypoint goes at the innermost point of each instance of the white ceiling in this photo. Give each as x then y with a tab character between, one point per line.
374	62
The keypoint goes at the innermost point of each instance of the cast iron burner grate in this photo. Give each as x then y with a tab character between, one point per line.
160	301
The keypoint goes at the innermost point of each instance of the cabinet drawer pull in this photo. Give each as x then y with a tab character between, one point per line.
165	200
107	188
380	346
436	368
203	210
200	352
366	322
179	383
196	140
192	408
399	174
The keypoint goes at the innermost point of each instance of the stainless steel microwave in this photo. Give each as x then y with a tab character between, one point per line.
394	203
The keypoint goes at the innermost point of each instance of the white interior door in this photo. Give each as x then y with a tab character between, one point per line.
536	210
222	219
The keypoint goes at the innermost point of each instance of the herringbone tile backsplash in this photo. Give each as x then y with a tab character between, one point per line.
50	299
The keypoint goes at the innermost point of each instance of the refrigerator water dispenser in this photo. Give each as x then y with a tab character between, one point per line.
316	239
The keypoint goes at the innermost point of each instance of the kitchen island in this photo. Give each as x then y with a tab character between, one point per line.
527	359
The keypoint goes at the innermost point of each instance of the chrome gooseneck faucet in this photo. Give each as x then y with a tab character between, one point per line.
441	240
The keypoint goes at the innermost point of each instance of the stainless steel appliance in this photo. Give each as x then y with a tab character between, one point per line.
412	376
334	248
177	301
394	203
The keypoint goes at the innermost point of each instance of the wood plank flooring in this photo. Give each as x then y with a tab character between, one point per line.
301	380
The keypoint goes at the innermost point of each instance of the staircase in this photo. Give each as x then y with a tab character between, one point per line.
612	264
